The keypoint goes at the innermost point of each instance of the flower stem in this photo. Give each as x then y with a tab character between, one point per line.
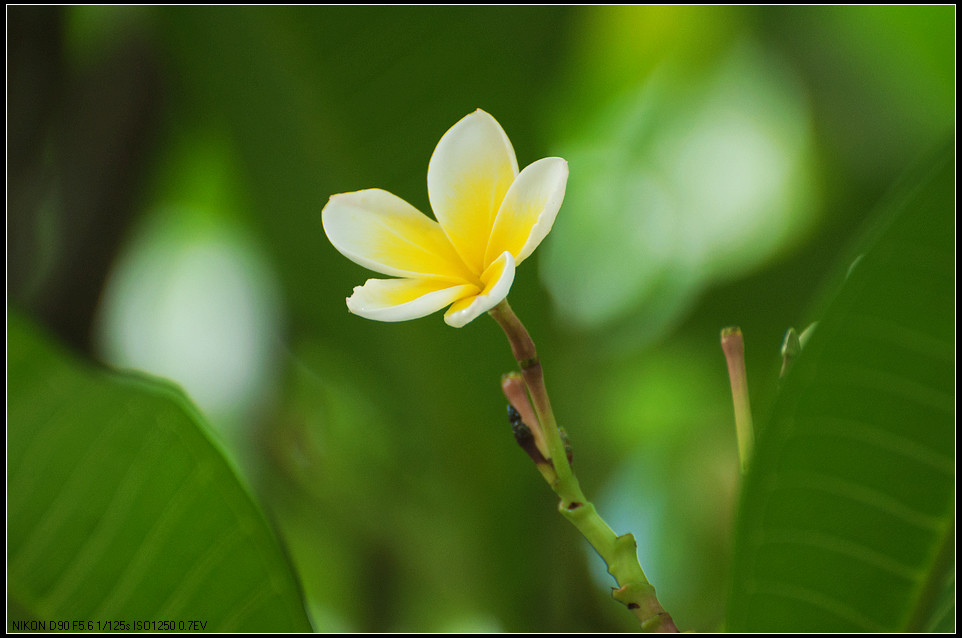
619	552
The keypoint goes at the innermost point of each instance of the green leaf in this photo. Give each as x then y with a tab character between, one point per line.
846	520
120	509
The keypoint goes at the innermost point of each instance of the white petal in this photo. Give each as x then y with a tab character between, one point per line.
404	299
529	209
468	175
497	279
383	232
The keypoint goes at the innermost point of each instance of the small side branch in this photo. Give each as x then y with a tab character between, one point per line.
734	347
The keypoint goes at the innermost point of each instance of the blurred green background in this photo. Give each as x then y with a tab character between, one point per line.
166	172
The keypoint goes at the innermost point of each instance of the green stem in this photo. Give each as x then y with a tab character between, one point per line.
619	552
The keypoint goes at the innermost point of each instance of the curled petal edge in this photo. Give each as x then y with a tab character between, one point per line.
497	281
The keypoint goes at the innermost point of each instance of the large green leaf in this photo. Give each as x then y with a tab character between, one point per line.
846	521
121	510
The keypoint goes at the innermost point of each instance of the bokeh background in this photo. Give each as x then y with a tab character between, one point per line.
166	172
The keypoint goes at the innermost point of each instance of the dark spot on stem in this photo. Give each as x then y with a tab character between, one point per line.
522	434
633	605
573	506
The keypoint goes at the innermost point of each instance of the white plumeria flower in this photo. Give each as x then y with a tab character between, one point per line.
490	218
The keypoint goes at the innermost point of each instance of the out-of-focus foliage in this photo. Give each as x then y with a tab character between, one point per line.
167	167
199	284
121	509
704	174
848	511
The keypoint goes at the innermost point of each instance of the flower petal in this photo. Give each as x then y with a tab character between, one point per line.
529	209
497	282
468	175
381	231
403	299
